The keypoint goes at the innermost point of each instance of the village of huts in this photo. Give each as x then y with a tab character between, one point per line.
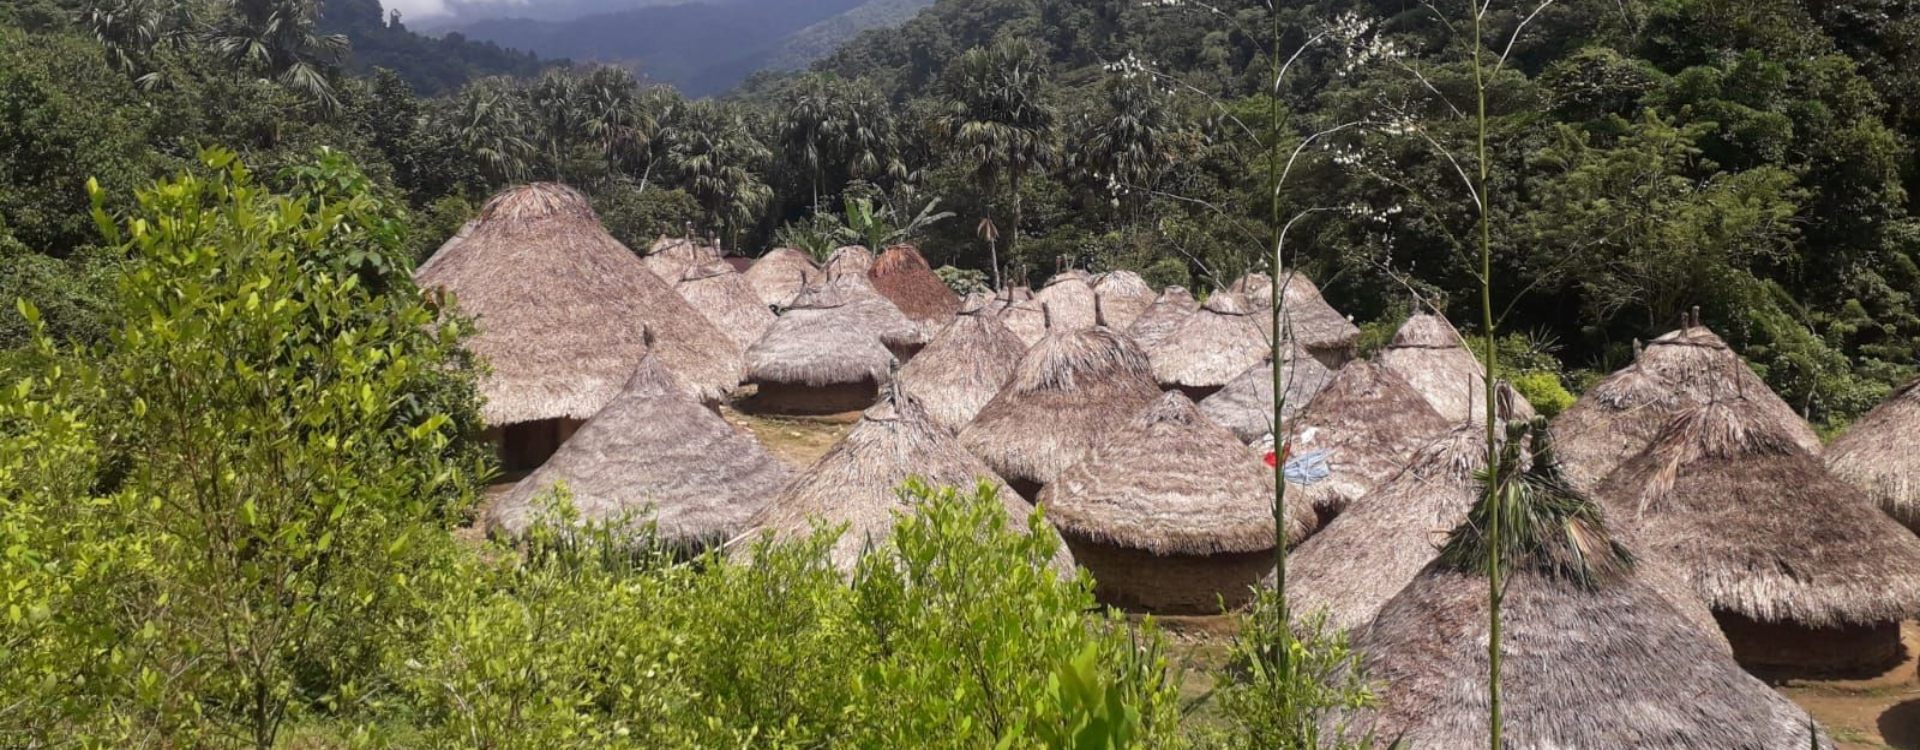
1690	529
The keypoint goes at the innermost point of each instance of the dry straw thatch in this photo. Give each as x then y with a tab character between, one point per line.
1612	667
1027	319
1245	405
1159	319
852	260
1123	297
1876	454
903	276
1210	347
781	275
1620	416
1430	354
670	257
1070	301
653	455
1305	314
1068	393
1372	421
964	367
857	483
836	336
727	300
1171	483
561	305
1759	527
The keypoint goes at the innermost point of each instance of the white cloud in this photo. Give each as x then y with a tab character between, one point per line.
414	9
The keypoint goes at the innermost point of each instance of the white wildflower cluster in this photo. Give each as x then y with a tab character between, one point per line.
1162	3
1344	155
1116	189
1372	214
1361	43
1130	67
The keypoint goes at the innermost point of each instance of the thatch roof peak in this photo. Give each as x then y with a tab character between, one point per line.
1078	384
963	368
1305	313
1209	348
1159	319
852	260
781	274
1245	404
1070	302
1430	354
1426	331
653	455
902	275
1123	296
838	332
726	299
1170	482
536	201
1227	303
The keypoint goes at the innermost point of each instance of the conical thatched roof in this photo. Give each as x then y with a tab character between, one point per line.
852	260
1210	347
1170	482
835	333
653	455
1620	416
670	257
1068	393
1877	455
903	276
1614	667
561	305
781	275
1759	526
1159	319
727	300
1306	314
857	483
1372	421
1070	300
1123	297
964	367
1245	405
1027	320
1432	357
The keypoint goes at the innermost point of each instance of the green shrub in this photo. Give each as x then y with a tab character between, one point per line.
1289	689
1544	391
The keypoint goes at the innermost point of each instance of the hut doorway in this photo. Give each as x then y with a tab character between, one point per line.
524	446
1789	649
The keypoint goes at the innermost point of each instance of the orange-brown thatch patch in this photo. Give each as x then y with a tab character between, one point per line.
1067	394
561	305
1210	347
1304	313
1621	415
728	301
964	367
1371	421
1877	455
653	456
1069	299
857	483
780	275
1123	297
903	276
1159	319
1759	526
1432	357
1245	405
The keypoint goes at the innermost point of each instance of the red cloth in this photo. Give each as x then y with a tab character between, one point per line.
1273	460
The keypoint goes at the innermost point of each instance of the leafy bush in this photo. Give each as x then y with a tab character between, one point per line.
1289	685
963	281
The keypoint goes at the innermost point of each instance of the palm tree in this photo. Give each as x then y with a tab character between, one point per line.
486	117
1125	144
277	39
995	114
805	117
718	158
131	30
866	136
559	120
616	116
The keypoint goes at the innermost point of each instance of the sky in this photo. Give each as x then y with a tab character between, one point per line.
416	9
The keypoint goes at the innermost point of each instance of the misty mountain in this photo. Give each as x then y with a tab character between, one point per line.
702	48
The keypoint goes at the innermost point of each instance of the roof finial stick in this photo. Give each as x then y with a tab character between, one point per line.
1099	313
1696	316
1046	316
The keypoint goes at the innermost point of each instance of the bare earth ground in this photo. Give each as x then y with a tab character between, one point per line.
1880	712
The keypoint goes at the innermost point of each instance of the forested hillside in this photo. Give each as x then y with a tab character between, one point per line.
432	66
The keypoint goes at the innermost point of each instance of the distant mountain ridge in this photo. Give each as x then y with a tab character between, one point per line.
703	48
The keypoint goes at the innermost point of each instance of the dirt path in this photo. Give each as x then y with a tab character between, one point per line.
1881	711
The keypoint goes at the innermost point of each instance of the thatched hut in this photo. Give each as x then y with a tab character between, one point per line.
903	277
1069	300
852	260
1875	455
1372	422
964	367
828	353
1159	319
1209	348
1171	513
727	300
1027	319
781	274
561	305
1801	568
857	483
1123	296
670	257
1067	394
1432	357
653	456
1305	315
1620	416
1245	405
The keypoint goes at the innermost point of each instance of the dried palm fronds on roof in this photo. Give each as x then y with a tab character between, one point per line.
781	274
1174	305
1068	392
1372	421
1877	455
1027	320
727	301
1210	347
1245	405
962	369
670	257
852	260
834	334
1123	297
1305	315
653	456
561	305
1069	300
1432	357
903	276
